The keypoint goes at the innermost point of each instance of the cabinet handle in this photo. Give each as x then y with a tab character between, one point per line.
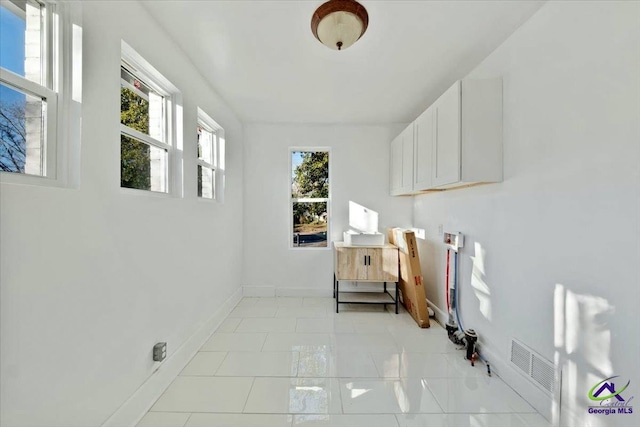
365	260
369	259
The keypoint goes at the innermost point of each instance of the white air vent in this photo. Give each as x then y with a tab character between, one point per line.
520	356
539	370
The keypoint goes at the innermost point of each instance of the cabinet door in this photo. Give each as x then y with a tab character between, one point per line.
395	166
424	129
350	263
407	160
384	265
447	142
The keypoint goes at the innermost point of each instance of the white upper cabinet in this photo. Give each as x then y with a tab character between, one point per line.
457	141
401	166
468	143
446	147
424	132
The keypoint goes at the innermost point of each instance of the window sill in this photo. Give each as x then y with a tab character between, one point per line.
13	178
309	248
148	193
206	200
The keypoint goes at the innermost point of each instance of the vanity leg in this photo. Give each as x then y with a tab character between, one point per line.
384	291
397	297
334	285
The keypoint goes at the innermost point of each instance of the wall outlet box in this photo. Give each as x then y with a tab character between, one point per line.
159	351
453	240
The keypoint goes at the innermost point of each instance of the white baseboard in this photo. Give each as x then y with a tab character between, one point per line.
137	405
304	292
441	316
272	291
258	291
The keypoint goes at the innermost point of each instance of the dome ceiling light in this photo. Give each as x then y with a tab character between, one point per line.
339	23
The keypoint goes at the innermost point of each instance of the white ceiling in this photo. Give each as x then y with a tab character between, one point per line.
262	58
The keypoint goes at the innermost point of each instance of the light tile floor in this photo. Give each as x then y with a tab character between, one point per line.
294	362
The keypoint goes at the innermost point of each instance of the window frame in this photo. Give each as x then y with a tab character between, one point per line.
206	122
56	52
293	200
48	163
142	70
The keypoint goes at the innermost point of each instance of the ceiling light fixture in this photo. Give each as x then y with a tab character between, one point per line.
339	23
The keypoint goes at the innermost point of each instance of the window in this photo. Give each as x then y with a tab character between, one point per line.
210	153
147	138
28	102
309	208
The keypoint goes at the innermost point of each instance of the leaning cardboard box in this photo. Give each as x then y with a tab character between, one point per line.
412	294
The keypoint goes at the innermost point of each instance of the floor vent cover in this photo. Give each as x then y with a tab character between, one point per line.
538	369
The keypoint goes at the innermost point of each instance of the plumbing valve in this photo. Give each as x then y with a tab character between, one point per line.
454	334
471	338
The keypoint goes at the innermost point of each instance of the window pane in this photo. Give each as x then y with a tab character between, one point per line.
206	182
134	110
137	84
21	38
205	145
22	132
310	224
142	166
310	174
156	116
141	108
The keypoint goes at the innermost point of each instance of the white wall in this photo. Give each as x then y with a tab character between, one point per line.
551	253
92	277
359	163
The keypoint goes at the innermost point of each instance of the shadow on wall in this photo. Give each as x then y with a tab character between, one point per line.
583	343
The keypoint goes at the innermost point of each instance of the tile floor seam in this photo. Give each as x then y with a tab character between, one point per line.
187	420
266	336
340	396
435	398
163	393
297	353
253	381
215	374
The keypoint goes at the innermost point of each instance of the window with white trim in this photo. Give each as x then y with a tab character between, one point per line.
309	205
209	139
29	51
147	126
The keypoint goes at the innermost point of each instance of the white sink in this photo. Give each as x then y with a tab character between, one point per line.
353	238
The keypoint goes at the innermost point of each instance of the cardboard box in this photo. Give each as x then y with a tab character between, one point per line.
412	293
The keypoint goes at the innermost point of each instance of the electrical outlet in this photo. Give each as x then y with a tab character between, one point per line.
159	351
440	230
